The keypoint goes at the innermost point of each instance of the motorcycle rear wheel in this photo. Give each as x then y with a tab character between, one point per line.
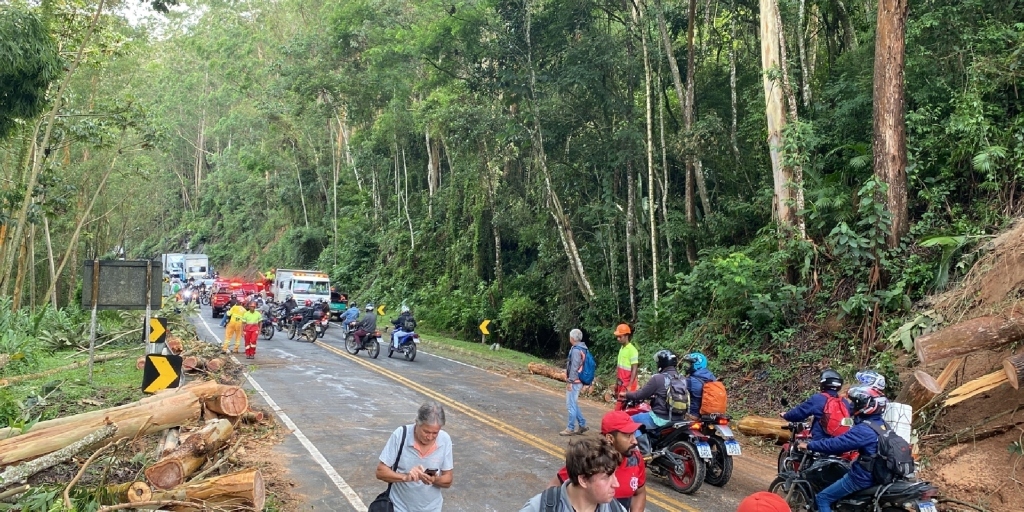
309	334
785	463
267	332
797	497
374	348
292	331
391	351
692	468
720	469
410	354
351	345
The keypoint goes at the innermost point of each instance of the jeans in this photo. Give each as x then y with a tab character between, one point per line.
835	492
572	396
643	441
395	336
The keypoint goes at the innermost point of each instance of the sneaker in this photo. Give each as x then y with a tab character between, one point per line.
582	430
567	432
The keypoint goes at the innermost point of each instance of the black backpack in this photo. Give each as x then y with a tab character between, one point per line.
894	460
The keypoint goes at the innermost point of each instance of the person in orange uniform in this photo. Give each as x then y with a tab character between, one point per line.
251	329
234	327
628	361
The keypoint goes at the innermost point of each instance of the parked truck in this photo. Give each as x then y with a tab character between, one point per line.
197	266
174	265
302	284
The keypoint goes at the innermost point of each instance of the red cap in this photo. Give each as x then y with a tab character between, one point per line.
618	421
763	502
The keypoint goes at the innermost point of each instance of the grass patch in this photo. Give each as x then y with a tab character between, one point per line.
478	350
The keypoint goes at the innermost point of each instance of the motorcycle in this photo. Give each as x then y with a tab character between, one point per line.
370	342
204	297
724	447
315	328
407	342
791	456
268	327
679	451
799	487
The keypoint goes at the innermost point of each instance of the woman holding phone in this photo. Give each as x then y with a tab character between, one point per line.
423	464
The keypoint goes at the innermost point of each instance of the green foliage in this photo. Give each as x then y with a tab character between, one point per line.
28	63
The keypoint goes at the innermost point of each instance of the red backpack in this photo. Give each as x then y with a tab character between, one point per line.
832	416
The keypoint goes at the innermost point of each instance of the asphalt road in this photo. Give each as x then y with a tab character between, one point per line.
341	409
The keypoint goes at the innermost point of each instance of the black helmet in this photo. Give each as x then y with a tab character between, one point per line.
867	400
665	358
830	379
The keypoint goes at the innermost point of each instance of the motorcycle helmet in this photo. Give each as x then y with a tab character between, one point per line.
369	306
867	400
697	360
871	379
830	379
308	303
665	358
405	309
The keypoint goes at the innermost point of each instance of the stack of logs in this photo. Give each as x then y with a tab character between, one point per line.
954	343
189	362
52	442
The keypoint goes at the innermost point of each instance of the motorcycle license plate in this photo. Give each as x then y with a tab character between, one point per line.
732	447
925	506
703	450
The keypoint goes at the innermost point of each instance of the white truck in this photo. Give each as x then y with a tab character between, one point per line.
301	284
197	266
174	265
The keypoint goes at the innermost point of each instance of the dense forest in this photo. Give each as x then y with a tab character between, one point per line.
755	179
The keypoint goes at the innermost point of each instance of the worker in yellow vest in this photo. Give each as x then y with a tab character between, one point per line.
234	327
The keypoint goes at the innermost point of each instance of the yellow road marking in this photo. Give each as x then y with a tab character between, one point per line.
654	497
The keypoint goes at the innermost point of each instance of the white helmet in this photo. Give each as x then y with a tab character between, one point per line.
872	379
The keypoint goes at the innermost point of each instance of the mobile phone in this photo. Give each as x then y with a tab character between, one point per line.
431	472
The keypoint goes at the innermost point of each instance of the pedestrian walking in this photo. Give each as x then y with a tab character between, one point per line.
417	462
577	354
251	320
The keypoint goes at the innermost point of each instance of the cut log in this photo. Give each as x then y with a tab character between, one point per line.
174	344
547	371
949	371
21	472
177	466
253	416
163	410
975	387
128	492
917	393
982	333
140	363
760	426
33	376
231	401
234	490
192	363
1014	368
214	364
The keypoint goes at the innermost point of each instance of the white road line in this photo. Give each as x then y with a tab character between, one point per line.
343	486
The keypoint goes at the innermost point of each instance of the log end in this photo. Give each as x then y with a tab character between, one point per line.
1012	371
230	401
259	493
140	363
189	363
214	364
166	474
139	492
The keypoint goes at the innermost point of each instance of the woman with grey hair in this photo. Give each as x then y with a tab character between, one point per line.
417	462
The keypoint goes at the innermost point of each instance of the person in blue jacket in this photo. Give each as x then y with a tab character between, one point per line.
830	383
697	374
868	405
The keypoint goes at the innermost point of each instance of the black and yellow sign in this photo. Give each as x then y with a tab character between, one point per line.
483	327
161	372
157	330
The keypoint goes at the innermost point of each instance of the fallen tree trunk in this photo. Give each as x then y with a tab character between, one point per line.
20	473
764	427
156	413
982	333
921	390
1014	368
547	371
949	371
32	376
975	387
234	490
175	468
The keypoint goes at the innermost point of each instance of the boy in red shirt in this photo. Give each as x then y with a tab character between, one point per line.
619	430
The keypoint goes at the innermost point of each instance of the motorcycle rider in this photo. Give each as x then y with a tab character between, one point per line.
367	325
697	374
872	379
830	382
868	406
404	324
656	390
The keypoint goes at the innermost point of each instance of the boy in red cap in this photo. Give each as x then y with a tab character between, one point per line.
763	502
619	430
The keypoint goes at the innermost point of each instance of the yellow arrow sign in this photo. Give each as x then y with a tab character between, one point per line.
483	327
161	372
380	310
157	330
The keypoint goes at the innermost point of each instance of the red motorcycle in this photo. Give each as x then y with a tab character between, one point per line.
791	458
679	451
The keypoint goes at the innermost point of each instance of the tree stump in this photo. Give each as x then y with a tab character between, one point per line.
1014	368
921	390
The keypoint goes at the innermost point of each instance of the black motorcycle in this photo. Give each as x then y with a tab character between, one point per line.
798	488
370	342
679	451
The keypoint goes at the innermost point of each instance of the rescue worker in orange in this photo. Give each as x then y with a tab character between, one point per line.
251	320
628	361
234	327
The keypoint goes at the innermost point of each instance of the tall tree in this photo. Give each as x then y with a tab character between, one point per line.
890	137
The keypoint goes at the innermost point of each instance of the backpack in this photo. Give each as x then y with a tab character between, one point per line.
894	460
589	368
409	325
714	399
833	416
551	501
677	395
